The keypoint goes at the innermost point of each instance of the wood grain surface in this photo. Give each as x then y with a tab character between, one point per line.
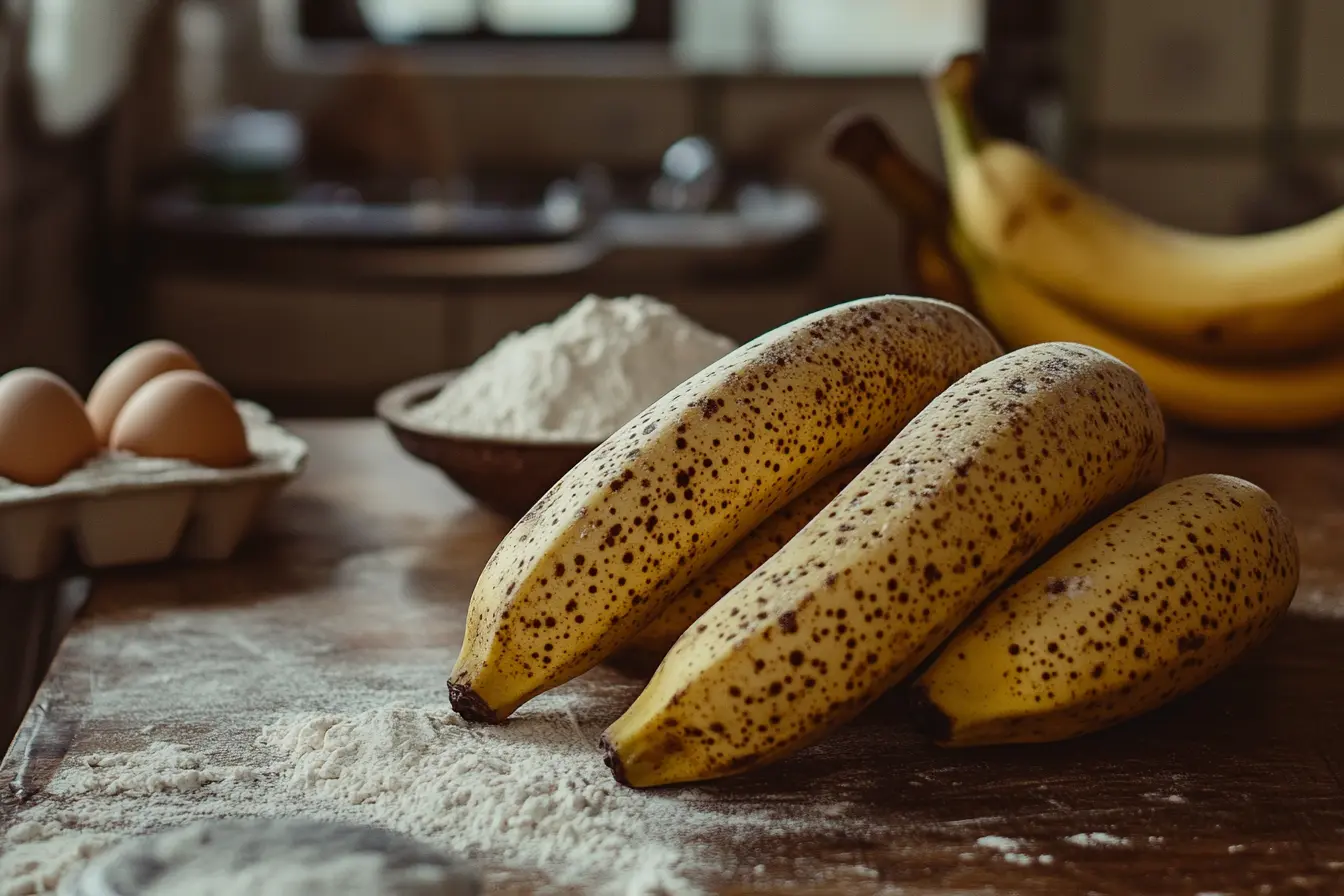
1233	789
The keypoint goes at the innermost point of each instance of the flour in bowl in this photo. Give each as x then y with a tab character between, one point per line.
579	377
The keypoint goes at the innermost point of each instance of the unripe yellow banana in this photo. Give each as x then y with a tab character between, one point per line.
1221	298
1279	397
994	468
1144	606
1303	393
670	492
656	638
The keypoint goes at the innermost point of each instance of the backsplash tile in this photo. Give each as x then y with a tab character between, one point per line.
787	120
1192	190
743	312
760	116
47	315
1320	75
1332	165
863	247
260	335
570	122
1180	63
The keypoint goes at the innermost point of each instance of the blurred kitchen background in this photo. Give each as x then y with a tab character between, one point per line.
322	198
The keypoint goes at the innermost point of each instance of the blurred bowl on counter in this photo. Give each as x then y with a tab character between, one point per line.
247	157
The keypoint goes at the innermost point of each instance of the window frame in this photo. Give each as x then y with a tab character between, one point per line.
653	23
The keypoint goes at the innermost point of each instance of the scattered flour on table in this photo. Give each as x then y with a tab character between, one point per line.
579	377
1174	798
1002	844
531	796
269	726
1097	839
38	865
159	768
1318	597
1012	851
534	797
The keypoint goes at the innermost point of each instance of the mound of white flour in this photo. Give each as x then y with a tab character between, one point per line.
579	377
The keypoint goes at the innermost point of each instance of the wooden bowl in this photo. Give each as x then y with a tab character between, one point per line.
507	476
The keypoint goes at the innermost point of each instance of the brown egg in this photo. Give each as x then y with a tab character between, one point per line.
44	432
186	415
131	370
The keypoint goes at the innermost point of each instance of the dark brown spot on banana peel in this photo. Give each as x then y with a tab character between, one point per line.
1013	224
1059	203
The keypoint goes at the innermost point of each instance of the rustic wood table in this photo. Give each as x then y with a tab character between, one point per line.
1235	788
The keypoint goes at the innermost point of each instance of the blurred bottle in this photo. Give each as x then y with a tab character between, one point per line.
203	37
721	35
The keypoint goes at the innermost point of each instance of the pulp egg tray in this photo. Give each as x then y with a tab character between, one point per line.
120	509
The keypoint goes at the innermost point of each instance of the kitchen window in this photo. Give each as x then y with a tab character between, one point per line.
436	21
792	36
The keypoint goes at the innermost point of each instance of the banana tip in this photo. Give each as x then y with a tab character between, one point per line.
928	716
612	760
469	705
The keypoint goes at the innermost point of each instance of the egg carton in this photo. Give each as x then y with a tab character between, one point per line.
121	510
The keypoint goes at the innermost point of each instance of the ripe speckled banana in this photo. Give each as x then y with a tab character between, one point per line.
994	468
670	492
1278	397
1144	606
656	638
1223	298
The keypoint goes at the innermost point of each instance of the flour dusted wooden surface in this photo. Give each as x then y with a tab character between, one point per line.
368	562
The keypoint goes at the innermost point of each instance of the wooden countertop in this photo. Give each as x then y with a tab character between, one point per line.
1236	788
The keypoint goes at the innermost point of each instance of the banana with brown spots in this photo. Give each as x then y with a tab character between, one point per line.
994	468
1144	606
669	493
655	639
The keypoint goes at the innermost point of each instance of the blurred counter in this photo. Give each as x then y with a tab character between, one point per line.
315	305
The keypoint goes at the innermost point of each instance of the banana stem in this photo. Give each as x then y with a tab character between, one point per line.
864	144
950	91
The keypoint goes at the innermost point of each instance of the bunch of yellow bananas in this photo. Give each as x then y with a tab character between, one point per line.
801	525
1231	332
